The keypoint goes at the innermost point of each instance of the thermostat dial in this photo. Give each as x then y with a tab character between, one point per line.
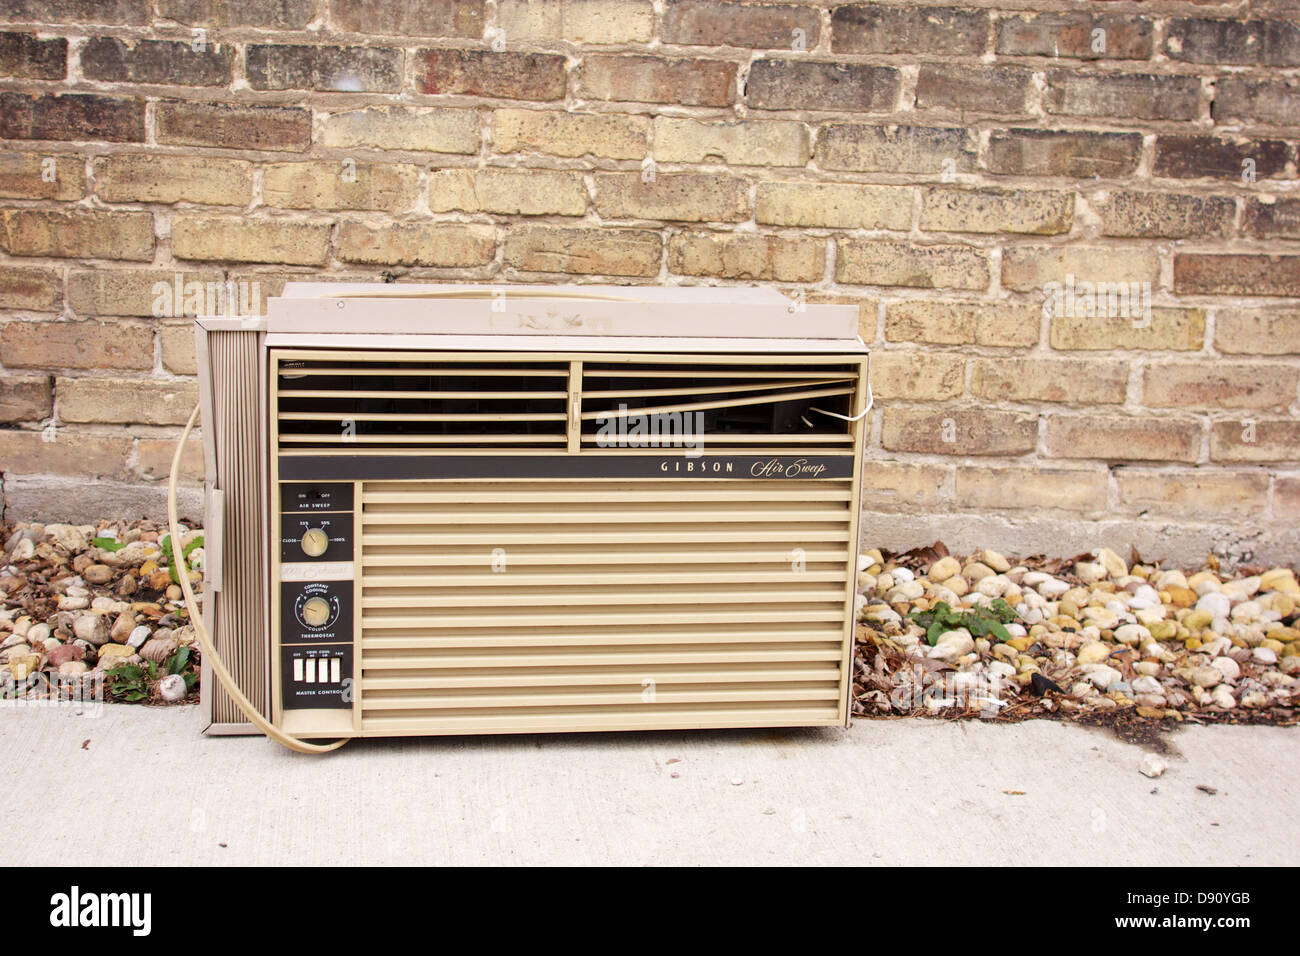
315	542
317	611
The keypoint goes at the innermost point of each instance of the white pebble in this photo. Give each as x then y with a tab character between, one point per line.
1214	602
1153	765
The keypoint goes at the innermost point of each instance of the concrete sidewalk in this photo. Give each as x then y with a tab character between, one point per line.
148	789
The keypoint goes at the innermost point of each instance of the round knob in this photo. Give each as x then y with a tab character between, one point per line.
315	542
316	612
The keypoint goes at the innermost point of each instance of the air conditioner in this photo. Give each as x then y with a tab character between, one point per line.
439	509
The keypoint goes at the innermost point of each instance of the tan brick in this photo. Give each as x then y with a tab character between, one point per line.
233	126
1218	384
654	79
578	21
743	256
153	459
508	74
1089	382
1162	493
77	235
392	187
1016	488
403	128
1030	268
1079	154
513	192
958	431
1250	439
683	197
1123	438
835	205
1286	496
752	143
1007	324
1156	215
610	135
1169	329
603	251
895	149
126	400
1039	212
42	176
70	452
429	18
917	376
127	177
25	398
91	345
901	486
1142	96
416	244
291	241
931	266
37	290
178	349
141	292
1257	332
1237	274
757	26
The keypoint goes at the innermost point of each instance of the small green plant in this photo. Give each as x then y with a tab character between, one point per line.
132	682
178	663
983	621
170	559
108	544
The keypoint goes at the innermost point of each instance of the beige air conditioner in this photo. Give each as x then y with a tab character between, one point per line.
440	509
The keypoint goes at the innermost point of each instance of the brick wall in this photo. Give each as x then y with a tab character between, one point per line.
949	168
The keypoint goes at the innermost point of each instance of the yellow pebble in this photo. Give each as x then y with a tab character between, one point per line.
1192	643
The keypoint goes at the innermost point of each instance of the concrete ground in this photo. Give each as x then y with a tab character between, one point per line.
148	789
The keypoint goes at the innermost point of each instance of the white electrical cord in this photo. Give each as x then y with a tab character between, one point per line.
205	639
871	400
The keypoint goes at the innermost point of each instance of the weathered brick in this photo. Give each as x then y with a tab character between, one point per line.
174	62
281	15
71	452
142	292
756	26
1270	217
346	185
416	244
604	251
1123	438
895	149
1286	496
178	349
25	398
930	266
1218	385
738	143
577	21
342	69
821	85
681	197
35	176
1236	274
1158	492
1079	154
1169	329
903	29
429	18
1248	99
71	116
1249	439
1074	35
1236	159
1030	268
958	431
275	128
398	127
655	79
153	459
834	205
512	192
611	135
128	177
986	89
1017	488
1263	42
917	376
1136	95
1004	324
77	235
747	256
1087	382
1039	212
78	345
901	486
240	239
1154	215
107	12
513	76
1257	332
28	57
126	400
34	290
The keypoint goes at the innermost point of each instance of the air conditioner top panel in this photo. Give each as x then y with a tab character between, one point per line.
521	316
